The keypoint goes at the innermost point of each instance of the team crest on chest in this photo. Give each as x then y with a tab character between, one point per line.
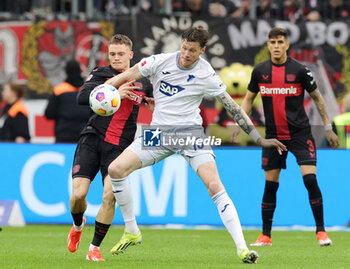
290	77
190	77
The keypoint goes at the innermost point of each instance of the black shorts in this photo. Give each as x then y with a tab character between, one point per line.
303	148
93	154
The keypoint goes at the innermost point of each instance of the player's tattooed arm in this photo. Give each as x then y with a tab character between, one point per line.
321	105
236	112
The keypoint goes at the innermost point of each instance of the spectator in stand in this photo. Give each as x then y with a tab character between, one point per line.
13	115
242	9
117	7
70	118
330	10
15	6
217	8
294	10
268	9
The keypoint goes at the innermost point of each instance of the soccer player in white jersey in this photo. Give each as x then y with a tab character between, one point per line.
180	81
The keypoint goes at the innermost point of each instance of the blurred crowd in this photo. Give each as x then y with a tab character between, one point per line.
292	10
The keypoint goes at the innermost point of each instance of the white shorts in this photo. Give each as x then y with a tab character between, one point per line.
153	155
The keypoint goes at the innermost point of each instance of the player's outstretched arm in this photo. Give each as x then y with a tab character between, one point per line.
238	114
246	105
322	110
125	90
130	74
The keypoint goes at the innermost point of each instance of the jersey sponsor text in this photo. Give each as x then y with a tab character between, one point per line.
169	89
287	90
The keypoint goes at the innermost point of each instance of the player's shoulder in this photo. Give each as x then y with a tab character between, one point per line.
295	63
157	60
263	65
163	56
103	70
298	67
204	66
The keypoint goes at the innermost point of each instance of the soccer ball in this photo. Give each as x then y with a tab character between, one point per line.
104	100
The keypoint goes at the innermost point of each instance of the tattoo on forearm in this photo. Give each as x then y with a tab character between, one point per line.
236	112
320	104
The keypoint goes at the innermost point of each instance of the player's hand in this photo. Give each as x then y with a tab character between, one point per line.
125	90
272	143
332	139
149	103
235	133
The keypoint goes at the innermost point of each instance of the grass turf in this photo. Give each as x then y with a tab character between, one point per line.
44	246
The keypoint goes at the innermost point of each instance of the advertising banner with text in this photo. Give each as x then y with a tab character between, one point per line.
39	178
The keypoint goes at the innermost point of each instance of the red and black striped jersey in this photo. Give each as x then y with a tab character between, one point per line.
282	89
119	128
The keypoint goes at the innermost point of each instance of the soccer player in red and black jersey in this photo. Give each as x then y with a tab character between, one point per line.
282	82
101	141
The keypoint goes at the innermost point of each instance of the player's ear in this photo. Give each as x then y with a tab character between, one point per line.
203	49
131	55
288	44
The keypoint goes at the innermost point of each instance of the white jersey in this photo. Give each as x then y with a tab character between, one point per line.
178	92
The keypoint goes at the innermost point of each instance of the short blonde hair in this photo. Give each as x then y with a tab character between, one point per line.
121	39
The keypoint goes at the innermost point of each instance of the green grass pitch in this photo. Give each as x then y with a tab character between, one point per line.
44	246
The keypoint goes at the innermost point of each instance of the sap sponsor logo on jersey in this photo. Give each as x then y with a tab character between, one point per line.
169	89
289	90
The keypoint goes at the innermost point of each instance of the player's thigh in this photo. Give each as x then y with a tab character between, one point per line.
307	169
271	159
109	153
135	156
124	164
304	150
205	167
87	157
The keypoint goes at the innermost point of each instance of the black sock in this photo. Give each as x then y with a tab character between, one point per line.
268	206
100	233
77	218
315	198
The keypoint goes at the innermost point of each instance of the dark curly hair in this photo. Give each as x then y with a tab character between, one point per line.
196	34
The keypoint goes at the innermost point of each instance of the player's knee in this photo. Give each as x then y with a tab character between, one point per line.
115	170
214	187
310	181
78	196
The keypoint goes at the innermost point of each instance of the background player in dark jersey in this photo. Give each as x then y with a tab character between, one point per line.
102	140
282	82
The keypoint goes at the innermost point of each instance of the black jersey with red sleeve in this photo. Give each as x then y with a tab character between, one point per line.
282	89
119	128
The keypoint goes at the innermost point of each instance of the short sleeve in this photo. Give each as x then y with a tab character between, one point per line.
148	66
215	86
307	80
253	85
